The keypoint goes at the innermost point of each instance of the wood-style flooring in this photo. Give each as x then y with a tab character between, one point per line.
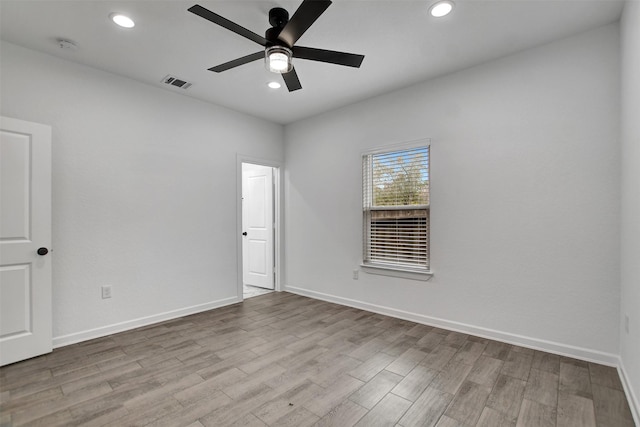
285	360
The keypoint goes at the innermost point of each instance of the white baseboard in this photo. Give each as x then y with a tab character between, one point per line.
632	398
103	331
520	340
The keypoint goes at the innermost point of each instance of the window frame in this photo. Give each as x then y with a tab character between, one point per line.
391	269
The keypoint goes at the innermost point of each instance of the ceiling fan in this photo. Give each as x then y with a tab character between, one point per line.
279	41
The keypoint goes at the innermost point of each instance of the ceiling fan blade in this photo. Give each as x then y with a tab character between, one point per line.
229	25
237	62
291	80
302	19
331	56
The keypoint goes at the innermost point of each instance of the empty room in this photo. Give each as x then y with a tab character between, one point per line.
315	213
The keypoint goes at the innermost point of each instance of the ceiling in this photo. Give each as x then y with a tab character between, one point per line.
401	42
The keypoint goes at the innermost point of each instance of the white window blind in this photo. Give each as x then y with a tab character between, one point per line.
396	209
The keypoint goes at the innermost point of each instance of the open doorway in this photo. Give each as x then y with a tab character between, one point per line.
258	229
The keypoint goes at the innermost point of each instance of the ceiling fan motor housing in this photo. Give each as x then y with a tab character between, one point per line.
278	18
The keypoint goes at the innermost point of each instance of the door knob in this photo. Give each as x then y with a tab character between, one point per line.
43	251
244	233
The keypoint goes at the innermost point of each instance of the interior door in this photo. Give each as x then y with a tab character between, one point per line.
257	223
25	240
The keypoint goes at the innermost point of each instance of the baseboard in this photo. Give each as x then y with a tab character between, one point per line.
522	341
632	398
103	331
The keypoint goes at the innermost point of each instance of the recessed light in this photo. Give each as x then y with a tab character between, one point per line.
122	20
441	8
274	85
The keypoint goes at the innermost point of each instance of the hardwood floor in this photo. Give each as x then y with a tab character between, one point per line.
285	360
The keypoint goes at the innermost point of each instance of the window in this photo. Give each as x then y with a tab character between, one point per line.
396	209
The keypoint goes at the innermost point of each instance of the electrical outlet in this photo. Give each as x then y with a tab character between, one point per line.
355	274
626	323
106	292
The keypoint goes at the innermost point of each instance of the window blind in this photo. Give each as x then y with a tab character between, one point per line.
396	208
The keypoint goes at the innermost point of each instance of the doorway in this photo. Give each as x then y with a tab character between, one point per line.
259	224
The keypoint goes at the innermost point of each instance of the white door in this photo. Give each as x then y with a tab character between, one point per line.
25	236
257	223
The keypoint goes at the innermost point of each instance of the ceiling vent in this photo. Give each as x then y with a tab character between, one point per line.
174	81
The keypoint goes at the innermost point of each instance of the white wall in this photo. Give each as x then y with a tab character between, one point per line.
143	191
525	198
630	289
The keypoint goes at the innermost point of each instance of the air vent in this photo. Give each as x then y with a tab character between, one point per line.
174	81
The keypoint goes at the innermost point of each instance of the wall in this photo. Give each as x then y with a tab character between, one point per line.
143	192
525	198
630	289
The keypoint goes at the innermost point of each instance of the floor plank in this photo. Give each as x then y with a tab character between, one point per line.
468	404
575	411
345	414
534	414
386	413
414	383
611	407
373	391
542	387
427	409
492	418
507	395
486	371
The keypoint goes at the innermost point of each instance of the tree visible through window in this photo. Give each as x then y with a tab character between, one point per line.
396	209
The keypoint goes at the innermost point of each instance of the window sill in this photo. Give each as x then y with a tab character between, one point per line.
404	273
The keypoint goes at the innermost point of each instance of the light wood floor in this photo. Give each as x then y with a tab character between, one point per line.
285	360
249	291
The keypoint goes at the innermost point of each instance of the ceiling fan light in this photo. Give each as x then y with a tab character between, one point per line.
278	62
441	8
278	59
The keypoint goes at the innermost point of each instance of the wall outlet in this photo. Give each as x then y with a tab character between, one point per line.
626	323
106	292
355	274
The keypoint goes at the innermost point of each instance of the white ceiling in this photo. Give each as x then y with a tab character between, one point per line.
402	44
